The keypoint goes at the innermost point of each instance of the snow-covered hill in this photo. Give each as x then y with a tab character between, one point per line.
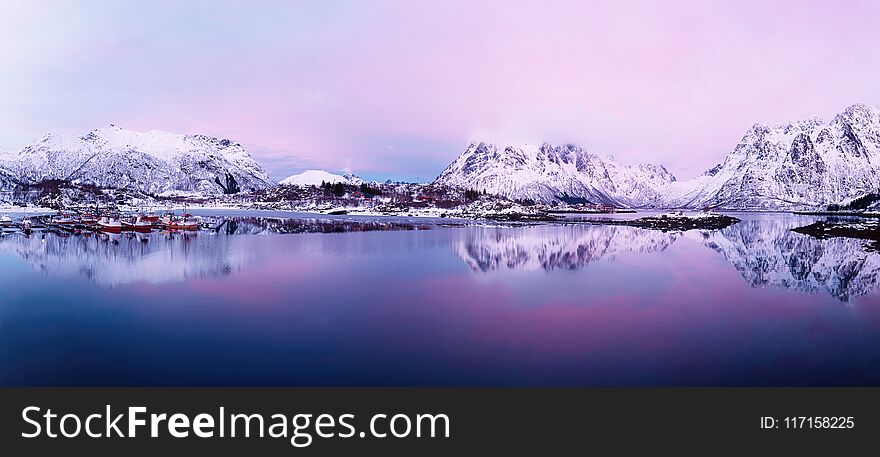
316	177
7	180
799	165
546	172
154	162
806	164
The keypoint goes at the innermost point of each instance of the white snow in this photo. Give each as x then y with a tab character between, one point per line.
152	162
544	172
807	164
798	165
316	177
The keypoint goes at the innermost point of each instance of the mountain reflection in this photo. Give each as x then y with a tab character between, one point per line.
113	259
765	252
158	257
565	247
768	254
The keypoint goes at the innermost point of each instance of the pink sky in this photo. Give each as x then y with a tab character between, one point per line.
398	88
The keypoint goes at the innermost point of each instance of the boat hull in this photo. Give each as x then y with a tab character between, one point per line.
110	228
137	228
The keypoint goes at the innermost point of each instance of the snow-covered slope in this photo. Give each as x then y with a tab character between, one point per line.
316	177
7	180
544	173
154	162
799	165
806	164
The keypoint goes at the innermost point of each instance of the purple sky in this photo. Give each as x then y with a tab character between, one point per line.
397	88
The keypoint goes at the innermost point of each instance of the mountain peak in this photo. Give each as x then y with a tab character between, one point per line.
115	130
858	108
153	162
796	165
860	114
808	163
549	172
317	177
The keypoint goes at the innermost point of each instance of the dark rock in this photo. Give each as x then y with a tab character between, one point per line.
231	186
863	230
666	223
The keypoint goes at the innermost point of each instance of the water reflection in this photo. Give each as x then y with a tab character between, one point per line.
764	251
768	254
159	257
264	225
113	259
565	247
388	304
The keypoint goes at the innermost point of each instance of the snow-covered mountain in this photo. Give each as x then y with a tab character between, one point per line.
316	177
546	172
154	162
806	164
7	181
797	165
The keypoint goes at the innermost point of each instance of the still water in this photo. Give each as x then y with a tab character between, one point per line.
368	301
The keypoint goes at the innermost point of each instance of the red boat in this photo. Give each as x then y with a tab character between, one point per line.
187	222
110	225
139	224
149	217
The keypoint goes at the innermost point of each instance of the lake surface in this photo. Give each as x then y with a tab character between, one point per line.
375	301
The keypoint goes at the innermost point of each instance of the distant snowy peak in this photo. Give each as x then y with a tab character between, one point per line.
316	177
546	173
153	162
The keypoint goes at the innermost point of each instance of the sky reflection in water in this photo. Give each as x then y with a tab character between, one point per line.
753	304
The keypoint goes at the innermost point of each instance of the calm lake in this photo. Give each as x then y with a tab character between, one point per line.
368	301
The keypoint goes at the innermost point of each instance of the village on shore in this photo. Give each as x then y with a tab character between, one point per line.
73	208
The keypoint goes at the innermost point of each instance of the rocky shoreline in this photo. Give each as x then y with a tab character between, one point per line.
863	230
676	222
839	213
